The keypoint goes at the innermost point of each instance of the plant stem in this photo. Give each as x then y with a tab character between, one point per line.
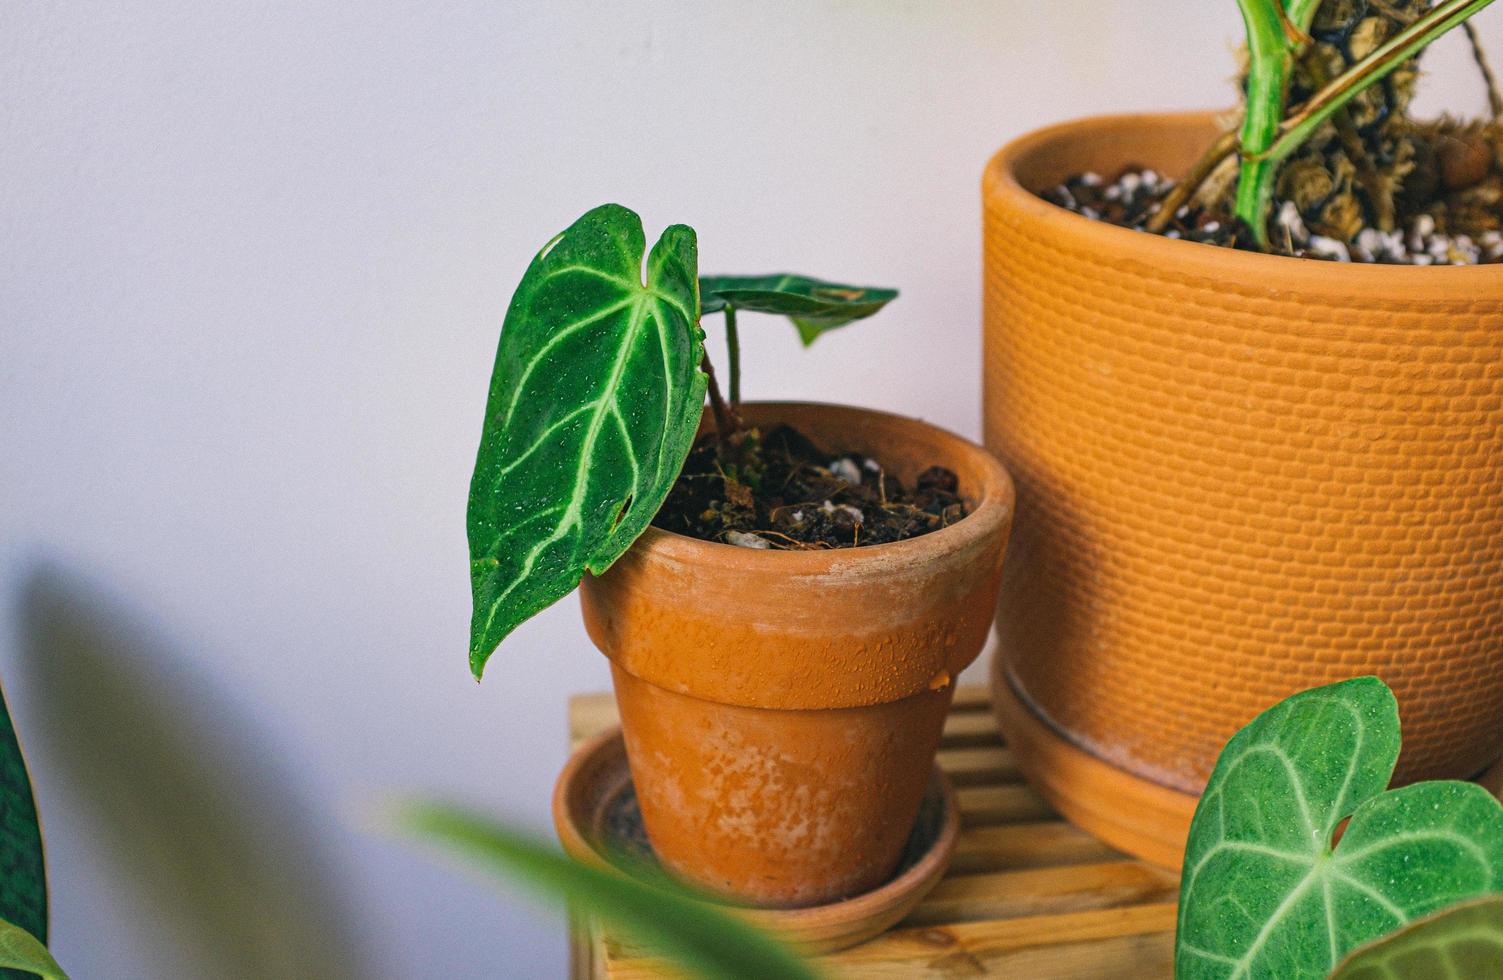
1383	60
733	354
1225	146
1494	100
1296	35
1275	35
727	419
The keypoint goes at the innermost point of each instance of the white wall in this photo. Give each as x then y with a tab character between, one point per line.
255	260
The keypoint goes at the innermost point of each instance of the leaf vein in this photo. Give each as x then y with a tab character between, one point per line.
1274	918
1372	893
558	337
597	273
1411	836
544	436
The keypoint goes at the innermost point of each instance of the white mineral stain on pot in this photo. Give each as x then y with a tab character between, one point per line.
667	786
745	779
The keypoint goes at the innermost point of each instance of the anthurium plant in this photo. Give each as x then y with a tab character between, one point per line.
597	393
1268	889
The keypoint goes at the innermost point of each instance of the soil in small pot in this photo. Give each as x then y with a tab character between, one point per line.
779	490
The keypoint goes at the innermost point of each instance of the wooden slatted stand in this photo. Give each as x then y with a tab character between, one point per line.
1027	895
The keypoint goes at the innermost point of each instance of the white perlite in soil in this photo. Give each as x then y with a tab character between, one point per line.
1133	198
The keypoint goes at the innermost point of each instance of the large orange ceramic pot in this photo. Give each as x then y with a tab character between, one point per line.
1239	475
782	709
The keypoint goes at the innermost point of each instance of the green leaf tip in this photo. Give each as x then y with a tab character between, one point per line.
20	950
814	306
1263	892
594	400
678	924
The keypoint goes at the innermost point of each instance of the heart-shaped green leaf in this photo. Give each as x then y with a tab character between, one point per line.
1463	942
1264	893
21	951
23	879
813	305
677	923
594	401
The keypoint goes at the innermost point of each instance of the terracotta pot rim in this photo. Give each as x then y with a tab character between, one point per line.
991	503
1000	179
842	628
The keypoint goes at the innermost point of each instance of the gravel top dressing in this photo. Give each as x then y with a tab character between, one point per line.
1135	195
784	492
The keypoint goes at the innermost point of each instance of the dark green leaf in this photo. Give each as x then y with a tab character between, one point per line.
1463	942
1264	894
23	880
594	401
21	951
675	922
813	305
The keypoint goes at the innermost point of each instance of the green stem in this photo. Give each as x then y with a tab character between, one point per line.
1380	62
1271	51
733	355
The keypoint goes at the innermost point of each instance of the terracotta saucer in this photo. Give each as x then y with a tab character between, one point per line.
1132	814
595	813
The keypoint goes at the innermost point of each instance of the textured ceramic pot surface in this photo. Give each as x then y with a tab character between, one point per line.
1239	475
782	709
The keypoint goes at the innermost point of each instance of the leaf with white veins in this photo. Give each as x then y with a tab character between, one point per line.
1265	894
594	401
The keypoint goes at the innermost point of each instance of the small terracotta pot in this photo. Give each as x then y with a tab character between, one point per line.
592	805
1239	476
782	709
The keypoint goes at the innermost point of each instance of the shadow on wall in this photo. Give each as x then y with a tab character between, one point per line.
204	829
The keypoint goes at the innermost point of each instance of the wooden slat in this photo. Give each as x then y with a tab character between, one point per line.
968	729
1013	803
987	764
584	951
591	714
972	696
1002	947
1032	845
1043	891
1128	942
